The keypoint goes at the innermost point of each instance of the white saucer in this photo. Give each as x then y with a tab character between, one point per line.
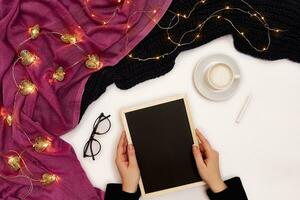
204	88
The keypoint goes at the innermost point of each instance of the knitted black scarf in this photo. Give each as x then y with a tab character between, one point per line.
280	14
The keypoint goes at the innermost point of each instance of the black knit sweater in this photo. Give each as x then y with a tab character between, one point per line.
280	14
234	191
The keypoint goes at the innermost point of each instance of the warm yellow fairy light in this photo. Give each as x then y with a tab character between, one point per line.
41	144
26	87
218	15
128	26
59	74
9	119
130	55
34	31
27	58
68	38
154	11
48	179
14	162
93	62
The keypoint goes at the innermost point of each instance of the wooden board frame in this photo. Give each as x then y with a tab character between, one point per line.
153	103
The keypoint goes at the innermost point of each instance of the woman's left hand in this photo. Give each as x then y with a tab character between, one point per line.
127	165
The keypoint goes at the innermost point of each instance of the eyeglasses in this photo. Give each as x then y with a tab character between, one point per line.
101	126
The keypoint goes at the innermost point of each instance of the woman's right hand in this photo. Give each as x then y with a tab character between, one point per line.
207	161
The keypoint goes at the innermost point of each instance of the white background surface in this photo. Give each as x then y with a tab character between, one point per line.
264	150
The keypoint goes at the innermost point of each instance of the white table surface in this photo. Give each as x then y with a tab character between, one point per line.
264	149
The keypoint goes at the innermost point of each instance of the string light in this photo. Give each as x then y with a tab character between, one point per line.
59	74
48	179
100	19
41	144
34	31
68	38
217	15
14	162
9	119
93	62
26	87
27	58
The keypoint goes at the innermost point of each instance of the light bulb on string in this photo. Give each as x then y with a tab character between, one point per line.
14	162
26	87
34	31
59	74
48	179
6	116
93	62
41	144
68	38
27	58
9	119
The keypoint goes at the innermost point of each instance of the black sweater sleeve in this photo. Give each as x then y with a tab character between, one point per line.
114	192
234	191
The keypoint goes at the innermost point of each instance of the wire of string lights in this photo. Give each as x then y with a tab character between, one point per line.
197	30
16	160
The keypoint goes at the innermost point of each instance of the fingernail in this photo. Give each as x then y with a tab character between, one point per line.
195	147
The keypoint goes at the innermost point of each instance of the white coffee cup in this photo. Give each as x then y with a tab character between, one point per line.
220	76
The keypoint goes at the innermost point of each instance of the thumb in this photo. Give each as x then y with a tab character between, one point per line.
131	155
198	157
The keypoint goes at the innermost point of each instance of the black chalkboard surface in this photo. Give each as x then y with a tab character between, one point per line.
162	135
